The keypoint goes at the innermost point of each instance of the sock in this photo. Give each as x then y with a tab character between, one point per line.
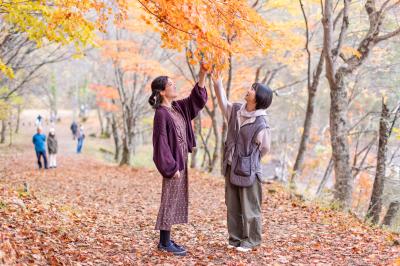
165	237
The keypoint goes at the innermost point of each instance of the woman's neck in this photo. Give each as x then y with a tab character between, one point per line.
166	103
250	107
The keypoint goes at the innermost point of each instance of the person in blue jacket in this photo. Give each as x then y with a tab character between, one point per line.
39	140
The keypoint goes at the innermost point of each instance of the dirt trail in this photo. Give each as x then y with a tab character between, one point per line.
88	213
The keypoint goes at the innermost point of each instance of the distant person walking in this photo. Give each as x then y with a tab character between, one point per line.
52	147
39	140
74	129
38	121
81	137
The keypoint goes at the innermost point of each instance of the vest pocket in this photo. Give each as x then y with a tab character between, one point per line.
243	166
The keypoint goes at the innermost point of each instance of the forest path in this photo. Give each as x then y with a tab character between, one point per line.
86	212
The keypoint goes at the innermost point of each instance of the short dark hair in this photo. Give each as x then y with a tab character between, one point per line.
263	96
157	85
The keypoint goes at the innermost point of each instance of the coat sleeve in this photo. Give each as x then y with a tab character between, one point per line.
264	140
196	101
224	104
162	155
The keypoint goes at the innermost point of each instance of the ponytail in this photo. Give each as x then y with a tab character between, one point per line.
155	99
157	85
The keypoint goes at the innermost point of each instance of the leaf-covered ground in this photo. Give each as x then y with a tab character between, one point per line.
88	213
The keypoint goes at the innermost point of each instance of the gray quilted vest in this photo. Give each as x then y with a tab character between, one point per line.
245	166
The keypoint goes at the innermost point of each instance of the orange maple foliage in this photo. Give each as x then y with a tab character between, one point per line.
214	29
104	97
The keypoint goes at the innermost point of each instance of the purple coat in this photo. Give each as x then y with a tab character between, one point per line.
166	154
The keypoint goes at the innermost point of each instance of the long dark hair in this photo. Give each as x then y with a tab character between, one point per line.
263	95
157	85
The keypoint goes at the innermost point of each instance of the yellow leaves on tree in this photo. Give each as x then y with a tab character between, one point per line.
6	70
350	51
58	21
214	29
397	132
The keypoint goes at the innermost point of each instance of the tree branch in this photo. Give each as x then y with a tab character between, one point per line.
343	30
307	45
387	36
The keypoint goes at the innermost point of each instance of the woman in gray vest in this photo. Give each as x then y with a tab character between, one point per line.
248	139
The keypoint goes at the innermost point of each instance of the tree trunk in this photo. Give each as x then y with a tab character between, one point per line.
305	135
19	109
114	127
3	131
100	120
206	162
339	142
127	144
107	129
336	75
375	205
312	90
197	130
391	214
216	151
10	131
338	111
126	153
324	179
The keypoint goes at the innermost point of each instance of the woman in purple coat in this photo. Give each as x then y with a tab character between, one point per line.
173	139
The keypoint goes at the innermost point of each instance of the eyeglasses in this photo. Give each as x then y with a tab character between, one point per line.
254	86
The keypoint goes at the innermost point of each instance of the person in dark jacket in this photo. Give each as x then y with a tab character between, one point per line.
38	121
52	147
74	129
173	139
39	140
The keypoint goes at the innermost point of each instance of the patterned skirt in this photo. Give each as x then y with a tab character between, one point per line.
174	201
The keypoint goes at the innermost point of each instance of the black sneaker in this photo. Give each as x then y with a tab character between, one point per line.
172	248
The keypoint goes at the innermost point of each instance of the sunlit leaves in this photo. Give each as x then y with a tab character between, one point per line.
6	70
396	131
58	21
210	27
350	51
